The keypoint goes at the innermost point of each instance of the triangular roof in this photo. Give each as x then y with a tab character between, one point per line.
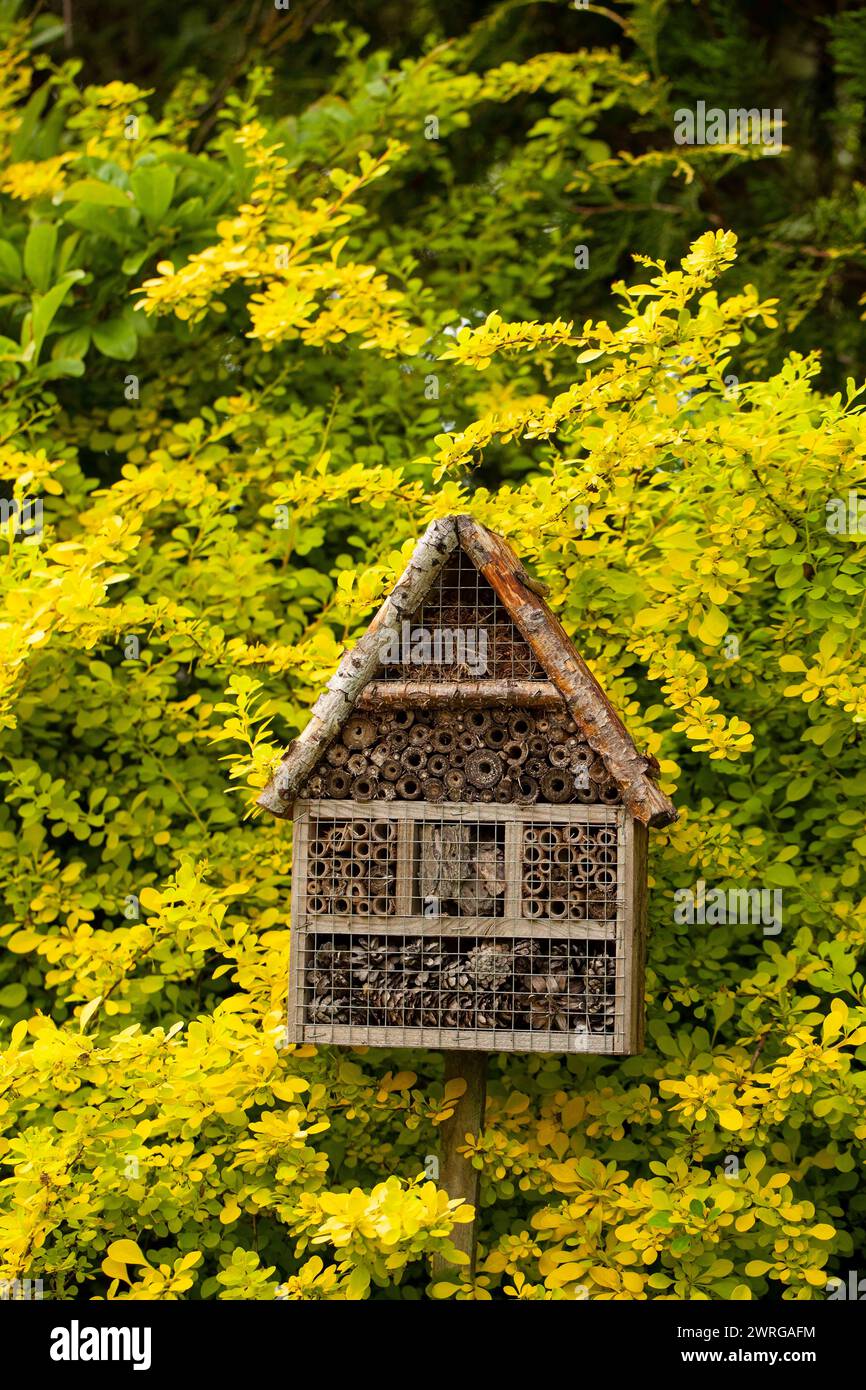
568	673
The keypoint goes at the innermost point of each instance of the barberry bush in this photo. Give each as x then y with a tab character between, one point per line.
238	376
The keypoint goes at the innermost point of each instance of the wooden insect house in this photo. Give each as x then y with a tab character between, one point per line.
470	820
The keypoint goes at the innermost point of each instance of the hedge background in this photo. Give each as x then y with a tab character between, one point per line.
276	288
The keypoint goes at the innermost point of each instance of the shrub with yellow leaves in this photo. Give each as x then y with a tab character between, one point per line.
333	345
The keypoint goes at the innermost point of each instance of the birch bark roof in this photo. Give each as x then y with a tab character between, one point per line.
569	676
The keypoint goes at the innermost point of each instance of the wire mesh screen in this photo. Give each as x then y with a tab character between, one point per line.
460	610
496	756
460	924
553	985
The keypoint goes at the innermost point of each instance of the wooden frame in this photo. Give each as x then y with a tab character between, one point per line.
625	930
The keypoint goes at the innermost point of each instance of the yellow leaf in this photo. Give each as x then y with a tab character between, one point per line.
730	1118
126	1252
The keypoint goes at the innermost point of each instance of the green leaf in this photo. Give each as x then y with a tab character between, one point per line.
798	788
39	251
10	263
44	308
153	185
95	191
116	338
29	120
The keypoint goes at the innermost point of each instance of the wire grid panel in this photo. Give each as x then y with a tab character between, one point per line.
464	603
475	926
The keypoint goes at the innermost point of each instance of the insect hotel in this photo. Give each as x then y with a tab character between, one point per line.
470	820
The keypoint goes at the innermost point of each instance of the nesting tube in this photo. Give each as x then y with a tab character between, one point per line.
533	884
382	830
319	868
604	878
557	907
365	788
533	907
338	783
520	725
419	735
576	835
362	849
548	838
559	755
381	906
352	869
538	747
483	769
437	765
358	731
397	741
525	789
361	907
454	781
608	792
318	848
381	854
515	752
443	740
390	770
605	835
504	792
318	904
467	742
342	906
337	755
562	854
479	720
414	760
555	788
409	787
356	764
434	789
403	718
496	736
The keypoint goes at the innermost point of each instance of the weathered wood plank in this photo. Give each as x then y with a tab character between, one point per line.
359	665
487	1039
587	702
298	937
469	694
456	1173
558	928
436	811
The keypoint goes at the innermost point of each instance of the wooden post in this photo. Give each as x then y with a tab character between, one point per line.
456	1174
